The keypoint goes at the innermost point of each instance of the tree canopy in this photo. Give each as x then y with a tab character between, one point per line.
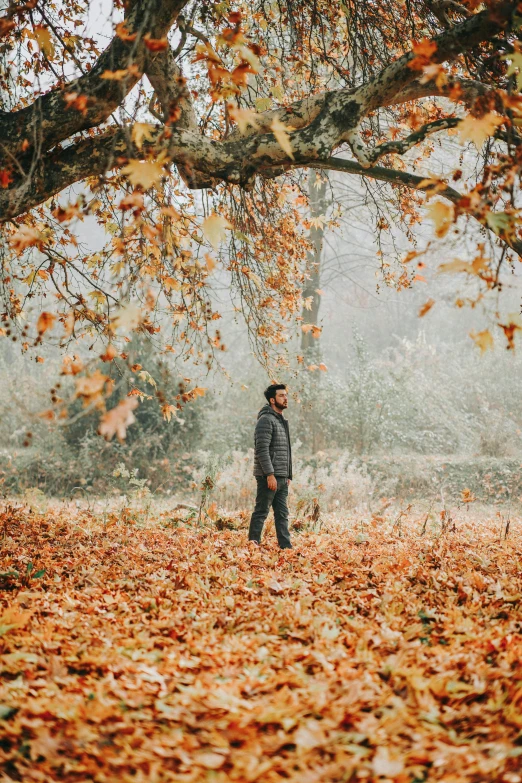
190	130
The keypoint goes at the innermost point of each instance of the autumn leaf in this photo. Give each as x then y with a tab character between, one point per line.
118	419
478	129
510	329
155	44
143	173
44	40
515	67
142	131
71	365
116	76
280	131
25	237
244	118
263	104
442	215
426	307
5	178
423	51
475	267
109	354
168	411
127	317
12	618
122	32
502	223
483	340
385	765
210	263
90	389
214	229
45	322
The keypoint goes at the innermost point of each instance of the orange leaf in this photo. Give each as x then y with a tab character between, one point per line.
155	44
117	420
426	307
45	322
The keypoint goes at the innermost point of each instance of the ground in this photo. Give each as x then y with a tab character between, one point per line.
145	648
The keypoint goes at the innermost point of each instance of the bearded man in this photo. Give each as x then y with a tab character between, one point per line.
272	466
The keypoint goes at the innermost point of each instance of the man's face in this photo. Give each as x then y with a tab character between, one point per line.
281	399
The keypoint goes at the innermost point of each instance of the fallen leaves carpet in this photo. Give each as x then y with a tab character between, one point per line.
164	653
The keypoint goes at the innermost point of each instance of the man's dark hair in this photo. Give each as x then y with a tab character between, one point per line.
271	390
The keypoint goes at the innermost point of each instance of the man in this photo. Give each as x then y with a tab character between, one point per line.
272	466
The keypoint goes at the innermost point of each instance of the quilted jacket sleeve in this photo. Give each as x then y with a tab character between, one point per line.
262	441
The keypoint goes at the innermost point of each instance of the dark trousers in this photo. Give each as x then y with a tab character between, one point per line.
278	500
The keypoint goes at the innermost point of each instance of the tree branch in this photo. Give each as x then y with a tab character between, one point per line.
56	116
403	145
409	181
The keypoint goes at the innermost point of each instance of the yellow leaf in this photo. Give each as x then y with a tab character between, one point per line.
169	411
116	76
44	40
143	173
442	215
142	131
210	262
244	118
501	222
214	227
280	131
478	265
516	66
263	104
484	340
478	129
170	284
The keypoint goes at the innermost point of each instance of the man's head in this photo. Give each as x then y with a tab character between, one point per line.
277	396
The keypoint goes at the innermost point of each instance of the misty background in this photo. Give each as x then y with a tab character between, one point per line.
408	406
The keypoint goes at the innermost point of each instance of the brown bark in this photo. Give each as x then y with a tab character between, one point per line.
322	123
317	200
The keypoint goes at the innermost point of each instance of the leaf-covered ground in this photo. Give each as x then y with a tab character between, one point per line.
173	653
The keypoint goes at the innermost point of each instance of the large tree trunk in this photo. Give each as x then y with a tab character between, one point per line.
310	345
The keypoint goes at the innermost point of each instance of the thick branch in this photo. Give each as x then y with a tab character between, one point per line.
403	145
171	89
409	181
54	117
395	77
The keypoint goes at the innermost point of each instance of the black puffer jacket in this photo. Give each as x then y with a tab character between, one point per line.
272	449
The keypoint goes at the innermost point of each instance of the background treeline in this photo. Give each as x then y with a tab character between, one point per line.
415	419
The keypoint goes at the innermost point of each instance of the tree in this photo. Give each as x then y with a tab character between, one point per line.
235	99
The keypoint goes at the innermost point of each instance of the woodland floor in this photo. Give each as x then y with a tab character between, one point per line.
153	650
